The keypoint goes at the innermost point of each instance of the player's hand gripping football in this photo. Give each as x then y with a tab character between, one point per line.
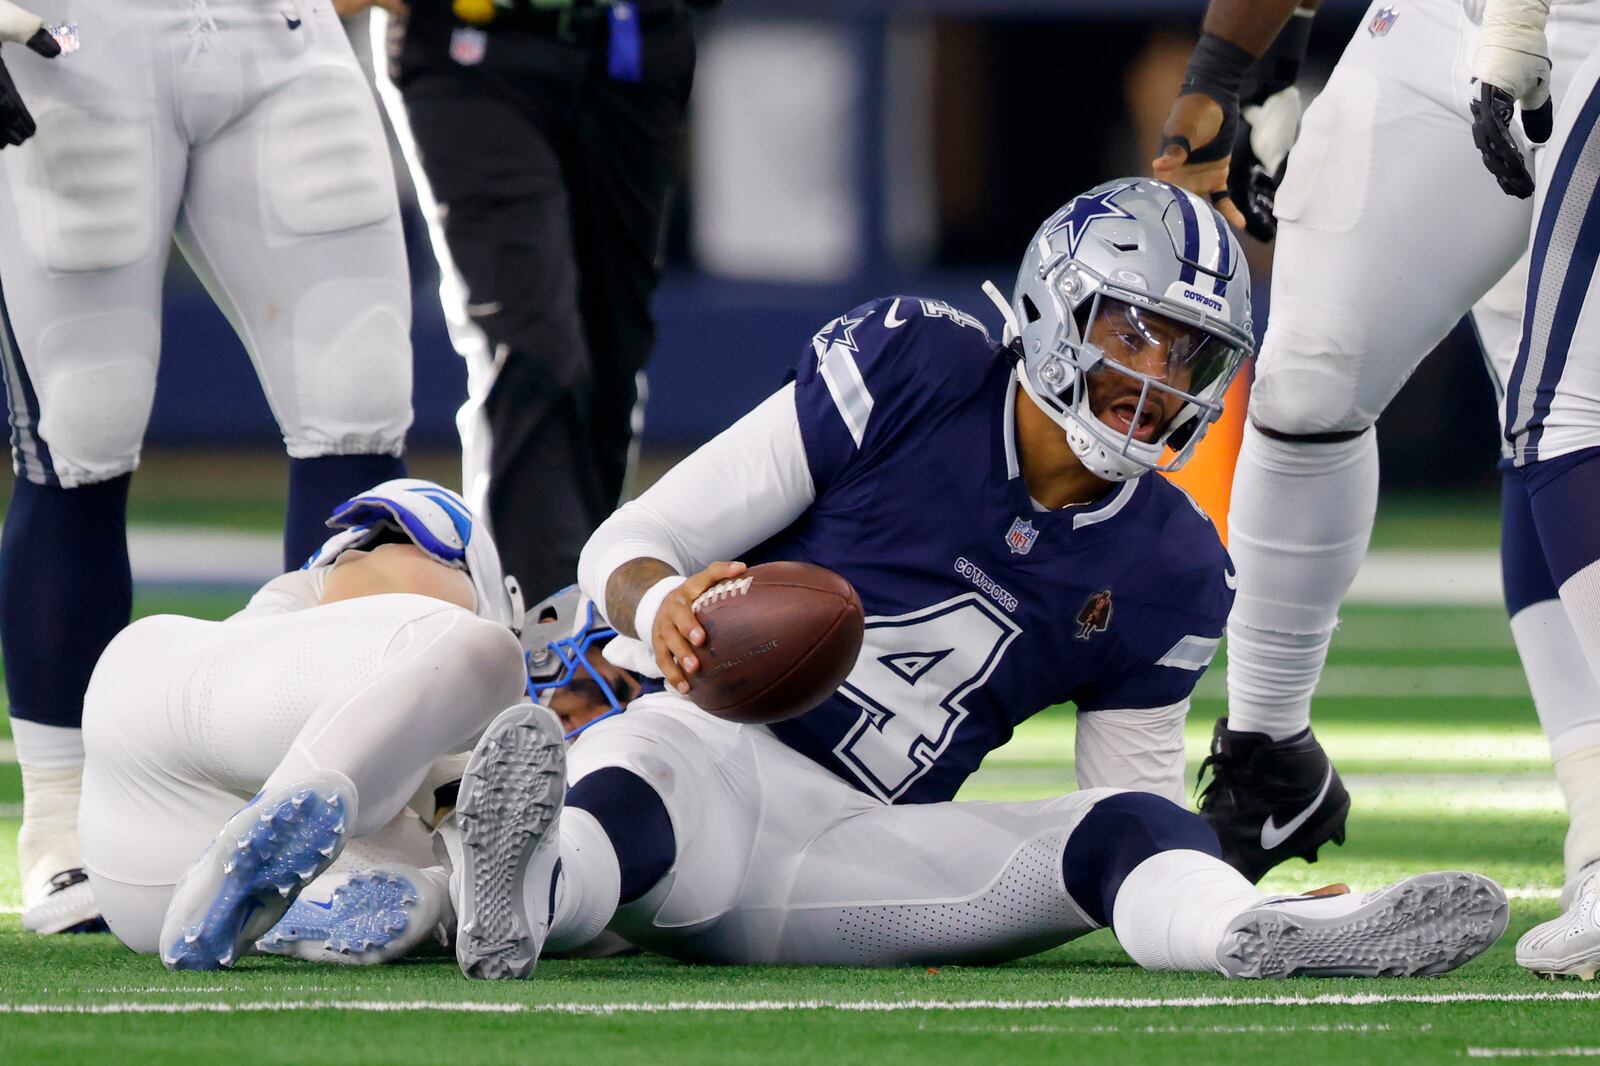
1511	66
676	632
19	26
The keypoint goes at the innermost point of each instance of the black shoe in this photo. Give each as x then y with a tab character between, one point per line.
1270	800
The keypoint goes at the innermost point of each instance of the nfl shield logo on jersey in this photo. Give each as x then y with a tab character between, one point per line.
1382	19
1021	536
1096	614
468	45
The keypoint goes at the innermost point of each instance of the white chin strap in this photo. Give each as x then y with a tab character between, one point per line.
1099	458
1013	329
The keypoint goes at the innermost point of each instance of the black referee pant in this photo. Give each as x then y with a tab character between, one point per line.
553	181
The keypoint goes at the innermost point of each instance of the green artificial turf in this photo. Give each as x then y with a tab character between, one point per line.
1452	773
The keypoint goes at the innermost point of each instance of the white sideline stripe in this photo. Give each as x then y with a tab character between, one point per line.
1533	1052
204	556
199	555
8	751
1469	578
768	1006
1408	682
1198	1030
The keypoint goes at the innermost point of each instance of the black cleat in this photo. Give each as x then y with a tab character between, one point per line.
1270	800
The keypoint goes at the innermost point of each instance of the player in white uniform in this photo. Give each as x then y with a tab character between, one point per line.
318	710
245	130
1388	231
1552	401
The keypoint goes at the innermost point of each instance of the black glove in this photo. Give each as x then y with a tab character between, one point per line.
16	124
1491	132
1217	68
1269	122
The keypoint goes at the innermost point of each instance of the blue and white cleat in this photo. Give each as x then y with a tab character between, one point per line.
1424	925
251	873
502	843
369	917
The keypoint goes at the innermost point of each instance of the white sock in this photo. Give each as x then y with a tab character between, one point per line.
49	747
588	886
1298	528
47	843
1173	909
1578	772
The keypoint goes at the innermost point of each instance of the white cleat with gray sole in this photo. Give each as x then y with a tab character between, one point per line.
1418	927
1568	946
503	843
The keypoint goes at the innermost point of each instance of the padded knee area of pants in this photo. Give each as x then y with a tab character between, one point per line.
352	370
480	659
97	180
1309	378
324	161
96	380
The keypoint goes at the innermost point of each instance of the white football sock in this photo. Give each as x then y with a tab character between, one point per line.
588	885
1173	909
49	747
1578	772
47	843
1298	528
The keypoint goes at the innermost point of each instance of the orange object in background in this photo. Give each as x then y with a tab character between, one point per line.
1208	476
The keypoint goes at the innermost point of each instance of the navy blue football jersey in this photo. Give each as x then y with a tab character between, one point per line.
982	610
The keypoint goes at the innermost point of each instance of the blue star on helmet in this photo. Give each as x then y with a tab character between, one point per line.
1074	219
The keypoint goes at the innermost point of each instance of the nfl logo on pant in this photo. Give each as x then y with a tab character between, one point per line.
1382	20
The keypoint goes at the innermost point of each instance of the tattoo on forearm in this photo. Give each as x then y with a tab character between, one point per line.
628	582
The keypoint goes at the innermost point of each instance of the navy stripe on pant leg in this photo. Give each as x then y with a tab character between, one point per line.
635	820
30	455
1565	247
1118	834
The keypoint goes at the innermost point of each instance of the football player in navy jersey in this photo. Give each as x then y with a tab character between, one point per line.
989	505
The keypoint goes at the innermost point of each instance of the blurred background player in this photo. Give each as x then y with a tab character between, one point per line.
1552	399
1388	231
546	139
246	132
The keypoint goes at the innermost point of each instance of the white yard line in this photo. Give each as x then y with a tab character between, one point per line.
1403	682
1533	1052
1468	578
768	1006
1156	1030
164	555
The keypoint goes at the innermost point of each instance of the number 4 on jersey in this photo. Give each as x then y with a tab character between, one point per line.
913	671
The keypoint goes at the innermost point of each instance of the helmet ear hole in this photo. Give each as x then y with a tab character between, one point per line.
1030	309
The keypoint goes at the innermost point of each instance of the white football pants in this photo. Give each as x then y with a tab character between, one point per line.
779	861
246	130
186	720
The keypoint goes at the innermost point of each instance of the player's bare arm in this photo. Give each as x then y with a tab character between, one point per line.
1199	136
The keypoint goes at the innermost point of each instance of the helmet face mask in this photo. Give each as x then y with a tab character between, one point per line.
1132	311
558	638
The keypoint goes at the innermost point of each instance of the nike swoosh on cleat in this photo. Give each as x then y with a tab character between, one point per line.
892	320
294	24
1230	579
1272	836
328	906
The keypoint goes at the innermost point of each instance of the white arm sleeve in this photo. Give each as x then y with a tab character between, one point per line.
1140	750
739	488
294	591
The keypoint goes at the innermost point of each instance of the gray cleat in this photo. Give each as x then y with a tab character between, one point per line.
503	843
1418	927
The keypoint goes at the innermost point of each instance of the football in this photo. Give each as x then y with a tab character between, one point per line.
779	639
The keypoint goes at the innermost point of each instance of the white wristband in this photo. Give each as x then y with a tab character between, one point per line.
644	614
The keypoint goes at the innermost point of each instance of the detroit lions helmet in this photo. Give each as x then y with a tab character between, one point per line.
557	636
440	523
1159	267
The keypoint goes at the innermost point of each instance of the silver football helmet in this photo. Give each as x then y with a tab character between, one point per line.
1143	286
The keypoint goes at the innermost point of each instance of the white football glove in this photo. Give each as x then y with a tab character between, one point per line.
1511	65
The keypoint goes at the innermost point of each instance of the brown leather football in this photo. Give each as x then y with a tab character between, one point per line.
780	638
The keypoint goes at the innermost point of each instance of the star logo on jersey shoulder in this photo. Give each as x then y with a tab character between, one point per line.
841	331
1074	219
1095	615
